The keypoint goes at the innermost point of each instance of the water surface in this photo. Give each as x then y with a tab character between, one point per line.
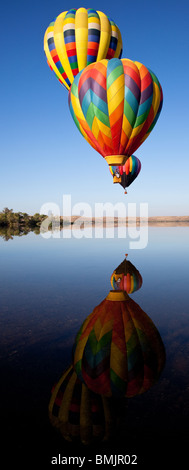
48	287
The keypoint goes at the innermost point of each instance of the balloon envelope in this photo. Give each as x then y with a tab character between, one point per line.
115	105
118	350
77	38
127	173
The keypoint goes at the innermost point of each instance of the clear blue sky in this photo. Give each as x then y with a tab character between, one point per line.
43	156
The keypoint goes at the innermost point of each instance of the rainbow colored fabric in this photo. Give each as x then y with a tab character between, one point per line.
79	413
118	350
115	105
126	277
126	174
77	38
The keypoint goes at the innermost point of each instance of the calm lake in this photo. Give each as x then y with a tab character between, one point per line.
48	287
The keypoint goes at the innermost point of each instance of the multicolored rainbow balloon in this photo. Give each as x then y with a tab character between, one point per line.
126	174
115	105
77	38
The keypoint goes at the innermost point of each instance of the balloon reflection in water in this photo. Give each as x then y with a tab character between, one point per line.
126	277
118	354
118	350
81	414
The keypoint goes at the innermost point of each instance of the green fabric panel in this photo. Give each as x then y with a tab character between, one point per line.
141	119
113	75
130	115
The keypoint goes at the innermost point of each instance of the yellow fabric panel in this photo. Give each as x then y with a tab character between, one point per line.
50	29
114	31
156	98
105	36
115	94
60	45
46	49
51	62
130	169
126	127
97	327
81	36
118	362
56	389
64	408
95	128
129	330
94	21
69	21
77	108
79	349
115	86
119	44
85	412
99	126
138	64
136	130
86	129
105	329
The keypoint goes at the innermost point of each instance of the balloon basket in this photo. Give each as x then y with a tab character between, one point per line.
116	179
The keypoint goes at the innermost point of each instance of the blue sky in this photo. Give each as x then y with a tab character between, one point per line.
43	156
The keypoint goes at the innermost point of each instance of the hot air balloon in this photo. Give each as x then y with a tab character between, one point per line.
126	174
115	105
126	277
77	38
80	414
118	350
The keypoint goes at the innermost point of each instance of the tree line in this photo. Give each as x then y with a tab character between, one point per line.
11	219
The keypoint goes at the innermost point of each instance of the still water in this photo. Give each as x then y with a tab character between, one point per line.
48	287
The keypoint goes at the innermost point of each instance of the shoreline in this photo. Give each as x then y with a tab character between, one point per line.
160	221
80	222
